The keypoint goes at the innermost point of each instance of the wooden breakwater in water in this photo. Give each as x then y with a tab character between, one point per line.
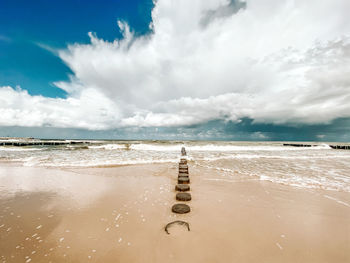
341	147
299	145
40	143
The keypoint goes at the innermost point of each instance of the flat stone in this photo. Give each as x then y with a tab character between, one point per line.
183	196
183	180
183	173
180	208
182	187
183	166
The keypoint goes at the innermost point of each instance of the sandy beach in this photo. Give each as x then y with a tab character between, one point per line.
118	214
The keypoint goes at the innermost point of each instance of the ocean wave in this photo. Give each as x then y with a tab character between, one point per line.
222	148
43	162
32	161
334	183
256	156
156	147
296	175
233	148
109	146
305	182
18	149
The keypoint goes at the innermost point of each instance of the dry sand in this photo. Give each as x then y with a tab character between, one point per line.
118	214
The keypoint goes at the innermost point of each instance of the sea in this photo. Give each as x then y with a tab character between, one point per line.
318	167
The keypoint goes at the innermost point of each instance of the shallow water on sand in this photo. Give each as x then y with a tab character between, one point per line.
318	167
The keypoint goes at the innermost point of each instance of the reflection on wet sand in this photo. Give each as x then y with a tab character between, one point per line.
118	215
26	223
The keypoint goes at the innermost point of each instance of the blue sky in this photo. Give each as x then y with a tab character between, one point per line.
25	25
229	70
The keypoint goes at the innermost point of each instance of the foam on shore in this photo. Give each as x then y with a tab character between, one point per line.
318	167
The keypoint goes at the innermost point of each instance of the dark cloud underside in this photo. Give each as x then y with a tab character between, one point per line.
339	130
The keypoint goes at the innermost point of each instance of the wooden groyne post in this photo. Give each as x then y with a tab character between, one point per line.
340	147
41	143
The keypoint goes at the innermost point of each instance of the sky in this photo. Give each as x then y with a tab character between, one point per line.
203	70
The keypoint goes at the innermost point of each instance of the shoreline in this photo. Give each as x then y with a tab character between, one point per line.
119	213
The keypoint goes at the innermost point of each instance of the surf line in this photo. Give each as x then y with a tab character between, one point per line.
336	200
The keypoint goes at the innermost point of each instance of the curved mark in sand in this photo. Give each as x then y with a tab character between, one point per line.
179	222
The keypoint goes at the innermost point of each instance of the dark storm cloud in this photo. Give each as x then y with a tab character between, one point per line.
338	130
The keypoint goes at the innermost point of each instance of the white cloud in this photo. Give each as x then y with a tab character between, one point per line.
276	61
91	110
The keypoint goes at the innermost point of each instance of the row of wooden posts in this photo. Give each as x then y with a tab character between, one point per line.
182	189
338	147
40	143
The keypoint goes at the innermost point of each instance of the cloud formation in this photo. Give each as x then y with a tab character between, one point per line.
90	110
273	61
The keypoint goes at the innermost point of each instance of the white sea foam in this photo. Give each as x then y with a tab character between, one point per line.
108	146
155	147
306	182
312	167
219	180
221	148
260	156
337	200
32	161
18	149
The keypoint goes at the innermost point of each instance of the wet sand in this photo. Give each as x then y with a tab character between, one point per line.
118	214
